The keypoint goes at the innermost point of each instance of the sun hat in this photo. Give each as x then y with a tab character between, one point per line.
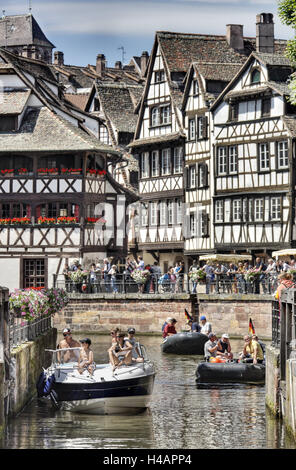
211	335
169	319
203	317
66	330
225	335
131	330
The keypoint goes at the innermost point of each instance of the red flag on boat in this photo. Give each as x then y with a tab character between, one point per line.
187	316
251	327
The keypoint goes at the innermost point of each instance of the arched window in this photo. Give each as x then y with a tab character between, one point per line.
255	76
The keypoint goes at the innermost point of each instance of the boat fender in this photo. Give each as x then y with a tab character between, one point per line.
48	385
41	384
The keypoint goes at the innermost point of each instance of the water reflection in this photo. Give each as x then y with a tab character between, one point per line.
182	415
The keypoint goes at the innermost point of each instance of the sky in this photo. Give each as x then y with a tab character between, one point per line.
84	28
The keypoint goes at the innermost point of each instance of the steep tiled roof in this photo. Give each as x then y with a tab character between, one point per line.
20	30
43	130
118	106
13	102
217	71
78	99
157	139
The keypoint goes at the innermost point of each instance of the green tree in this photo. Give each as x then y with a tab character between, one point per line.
287	14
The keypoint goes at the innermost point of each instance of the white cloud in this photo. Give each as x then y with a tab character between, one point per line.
130	18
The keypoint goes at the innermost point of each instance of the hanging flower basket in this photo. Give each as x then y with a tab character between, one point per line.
252	275
139	276
197	276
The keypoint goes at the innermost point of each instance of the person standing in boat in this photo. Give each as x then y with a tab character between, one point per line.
120	352
169	329
68	342
224	348
194	326
86	358
206	326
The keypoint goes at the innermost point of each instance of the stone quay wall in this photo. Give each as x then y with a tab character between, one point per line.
98	313
27	361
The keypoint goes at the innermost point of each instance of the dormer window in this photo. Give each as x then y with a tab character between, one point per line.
8	123
255	76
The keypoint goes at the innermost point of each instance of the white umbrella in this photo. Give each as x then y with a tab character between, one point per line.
287	252
225	257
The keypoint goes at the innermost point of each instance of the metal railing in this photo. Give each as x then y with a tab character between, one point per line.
21	330
275	324
156	284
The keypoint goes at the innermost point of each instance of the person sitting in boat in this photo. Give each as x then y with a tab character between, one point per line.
224	348
252	351
255	337
113	334
86	358
68	342
210	347
206	326
120	352
136	354
169	329
194	326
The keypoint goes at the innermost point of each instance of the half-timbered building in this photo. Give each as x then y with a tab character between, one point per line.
186	73
54	181
254	159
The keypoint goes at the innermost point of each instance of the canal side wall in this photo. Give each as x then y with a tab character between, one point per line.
27	361
98	313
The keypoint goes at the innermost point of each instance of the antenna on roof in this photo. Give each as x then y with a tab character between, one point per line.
3	14
30	6
123	53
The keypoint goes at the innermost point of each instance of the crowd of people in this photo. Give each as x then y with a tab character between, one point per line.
243	277
124	350
253	349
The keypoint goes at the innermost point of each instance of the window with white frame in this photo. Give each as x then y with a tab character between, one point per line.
245	212
232	159
145	165
202	175
155	116
163	213
191	129
193	227
178	157
200	127
222	161
159	76
155	163
144	214
153	213
160	115
170	212
258	210
275	208
195	87
236	210
179	211
166	161
263	157
192	176
165	114
282	154
219	211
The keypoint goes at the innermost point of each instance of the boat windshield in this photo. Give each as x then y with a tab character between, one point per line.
65	355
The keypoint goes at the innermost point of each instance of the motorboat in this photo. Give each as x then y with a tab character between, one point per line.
127	389
185	343
230	372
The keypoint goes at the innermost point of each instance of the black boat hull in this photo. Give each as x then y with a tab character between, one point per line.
185	343
230	372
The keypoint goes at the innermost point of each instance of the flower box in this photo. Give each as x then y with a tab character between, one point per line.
46	220
67	220
7	172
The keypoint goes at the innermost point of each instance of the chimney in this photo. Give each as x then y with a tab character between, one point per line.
100	64
234	36
144	62
58	58
265	33
118	65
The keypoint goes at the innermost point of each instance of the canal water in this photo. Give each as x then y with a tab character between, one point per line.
181	415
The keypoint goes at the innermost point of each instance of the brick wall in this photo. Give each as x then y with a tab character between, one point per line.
227	313
100	313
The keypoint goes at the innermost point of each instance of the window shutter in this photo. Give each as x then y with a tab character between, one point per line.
186	178
28	211
205	181
204	127
205	221
76	211
38	211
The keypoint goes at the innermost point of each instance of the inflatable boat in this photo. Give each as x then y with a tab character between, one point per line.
230	372
125	390
185	343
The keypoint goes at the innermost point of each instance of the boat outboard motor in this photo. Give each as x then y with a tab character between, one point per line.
40	385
